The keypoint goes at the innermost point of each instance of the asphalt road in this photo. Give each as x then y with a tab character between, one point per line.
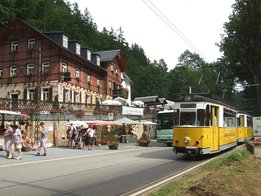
97	172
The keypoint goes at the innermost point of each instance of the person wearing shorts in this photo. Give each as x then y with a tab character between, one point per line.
43	135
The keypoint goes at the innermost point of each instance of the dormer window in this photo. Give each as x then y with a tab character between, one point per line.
65	41
116	71
89	55
31	43
98	60
14	46
77	72
78	49
112	68
65	68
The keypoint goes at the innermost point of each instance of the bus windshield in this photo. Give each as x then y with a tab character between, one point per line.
165	120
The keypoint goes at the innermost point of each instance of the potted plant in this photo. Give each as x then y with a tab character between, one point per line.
113	138
144	140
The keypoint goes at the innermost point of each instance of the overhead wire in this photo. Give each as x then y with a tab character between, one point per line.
172	26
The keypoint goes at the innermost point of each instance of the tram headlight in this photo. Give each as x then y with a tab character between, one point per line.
186	140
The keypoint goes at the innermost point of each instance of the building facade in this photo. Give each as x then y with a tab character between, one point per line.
50	66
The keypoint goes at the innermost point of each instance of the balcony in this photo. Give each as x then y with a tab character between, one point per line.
122	92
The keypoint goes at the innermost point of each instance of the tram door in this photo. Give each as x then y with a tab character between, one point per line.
215	140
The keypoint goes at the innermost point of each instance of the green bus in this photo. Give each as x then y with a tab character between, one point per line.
165	120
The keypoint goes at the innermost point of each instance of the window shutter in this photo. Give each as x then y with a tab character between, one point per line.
64	95
50	94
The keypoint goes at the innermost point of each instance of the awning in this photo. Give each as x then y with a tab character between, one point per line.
128	121
103	122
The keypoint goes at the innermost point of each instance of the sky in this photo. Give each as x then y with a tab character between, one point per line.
165	28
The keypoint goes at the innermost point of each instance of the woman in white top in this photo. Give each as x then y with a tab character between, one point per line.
91	135
8	134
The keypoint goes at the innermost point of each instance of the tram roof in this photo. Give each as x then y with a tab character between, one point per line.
205	97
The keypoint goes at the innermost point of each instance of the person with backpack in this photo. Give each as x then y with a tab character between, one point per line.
72	135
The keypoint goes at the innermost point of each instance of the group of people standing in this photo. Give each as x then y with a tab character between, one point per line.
82	135
12	140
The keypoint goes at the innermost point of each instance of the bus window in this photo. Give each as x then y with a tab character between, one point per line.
165	120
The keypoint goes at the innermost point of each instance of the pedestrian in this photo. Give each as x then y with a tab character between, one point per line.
43	135
8	134
72	135
85	137
91	135
17	140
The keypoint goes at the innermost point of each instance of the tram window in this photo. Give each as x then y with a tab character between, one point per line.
188	118
176	117
201	117
229	118
249	121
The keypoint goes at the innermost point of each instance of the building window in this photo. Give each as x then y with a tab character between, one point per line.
1	72
13	71
30	69
88	77
67	96
31	94
89	55
98	60
31	43
77	72
109	84
14	46
45	94
65	41
46	67
78	49
98	82
77	98
65	67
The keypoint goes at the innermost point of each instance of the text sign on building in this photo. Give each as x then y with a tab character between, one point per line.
257	126
132	111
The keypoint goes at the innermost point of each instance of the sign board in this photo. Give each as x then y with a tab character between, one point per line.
257	126
132	111
257	139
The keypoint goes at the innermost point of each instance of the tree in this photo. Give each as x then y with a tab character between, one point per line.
241	44
7	12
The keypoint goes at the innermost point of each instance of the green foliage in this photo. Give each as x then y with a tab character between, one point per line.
241	45
150	78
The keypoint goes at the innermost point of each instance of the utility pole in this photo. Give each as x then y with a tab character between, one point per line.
38	91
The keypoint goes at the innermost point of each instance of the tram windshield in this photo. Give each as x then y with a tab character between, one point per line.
188	118
194	118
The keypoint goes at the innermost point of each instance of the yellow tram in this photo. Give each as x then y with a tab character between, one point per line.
206	124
